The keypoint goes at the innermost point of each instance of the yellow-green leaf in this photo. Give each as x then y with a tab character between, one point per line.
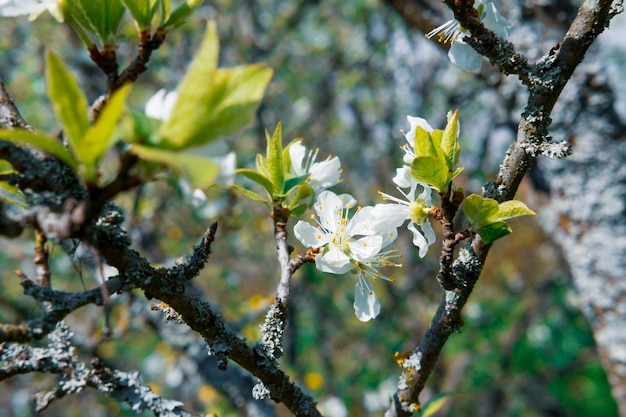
99	137
274	159
142	11
257	177
435	405
68	101
250	194
101	17
47	144
178	16
431	170
424	145
449	140
212	102
478	208
201	172
494	231
509	210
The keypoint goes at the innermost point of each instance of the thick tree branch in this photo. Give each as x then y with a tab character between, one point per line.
223	341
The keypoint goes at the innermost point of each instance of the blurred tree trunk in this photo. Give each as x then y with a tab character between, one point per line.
586	214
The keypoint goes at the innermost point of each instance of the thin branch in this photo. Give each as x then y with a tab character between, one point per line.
450	203
40	259
273	328
59	304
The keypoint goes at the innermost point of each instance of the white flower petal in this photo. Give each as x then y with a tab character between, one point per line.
403	177
366	248
347	200
309	236
329	208
414	122
419	240
494	21
297	151
429	233
390	216
160	105
325	174
334	261
465	57
366	304
362	223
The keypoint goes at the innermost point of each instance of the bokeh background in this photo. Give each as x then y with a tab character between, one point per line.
347	73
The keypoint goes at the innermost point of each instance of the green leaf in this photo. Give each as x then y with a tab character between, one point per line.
261	165
292	183
178	16
509	210
455	173
212	102
11	194
260	179
139	127
68	101
427	144
199	171
434	405
47	144
75	14
166	11
99	138
142	11
299	209
494	231
487	216
274	155
101	17
250	194
449	140
478	208
431	170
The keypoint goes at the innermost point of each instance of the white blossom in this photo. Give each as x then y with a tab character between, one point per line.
462	54
414	207
322	175
160	105
351	244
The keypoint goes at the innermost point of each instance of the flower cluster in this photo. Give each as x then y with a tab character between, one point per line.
359	243
413	207
352	244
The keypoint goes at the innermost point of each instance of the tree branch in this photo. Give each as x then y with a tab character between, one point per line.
545	81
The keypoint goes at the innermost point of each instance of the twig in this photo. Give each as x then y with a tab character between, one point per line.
40	259
273	328
450	202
